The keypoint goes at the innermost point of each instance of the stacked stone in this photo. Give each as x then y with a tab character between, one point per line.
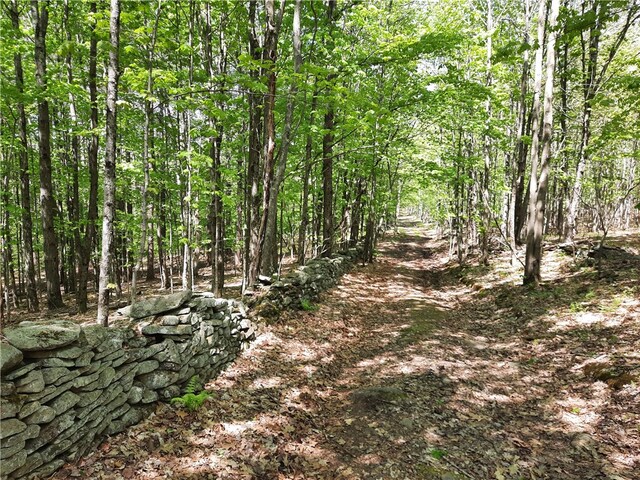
304	284
66	386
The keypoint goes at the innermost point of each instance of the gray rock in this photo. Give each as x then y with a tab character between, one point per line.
56	362
103	380
42	336
44	415
32	462
158	379
153	306
51	431
13	463
64	402
13	447
20	372
70	352
147	366
169	320
28	409
149	396
167	330
53	374
11	427
84	360
10	407
10	357
135	395
32	431
87	398
32	383
169	392
46	470
51	394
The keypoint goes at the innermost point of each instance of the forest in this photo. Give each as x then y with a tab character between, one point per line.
143	142
341	239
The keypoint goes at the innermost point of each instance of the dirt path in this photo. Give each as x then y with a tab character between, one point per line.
408	369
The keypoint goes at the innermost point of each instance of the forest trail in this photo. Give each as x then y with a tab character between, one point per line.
407	369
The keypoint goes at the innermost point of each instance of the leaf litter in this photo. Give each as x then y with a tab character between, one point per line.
416	368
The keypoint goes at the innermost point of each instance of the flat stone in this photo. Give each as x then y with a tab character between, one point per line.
32	462
10	357
104	379
20	372
32	383
51	431
70	352
32	431
84	360
42	336
9	407
13	463
147	366
56	362
169	320
44	415
11	427
153	306
158	379
46	470
53	374
64	402
167	330
28	409
12	447
87	398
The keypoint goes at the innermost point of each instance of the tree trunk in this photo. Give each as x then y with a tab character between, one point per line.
25	177
270	247
109	165
47	202
538	188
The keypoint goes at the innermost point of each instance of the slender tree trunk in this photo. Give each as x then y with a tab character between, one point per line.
148	112
252	234
47	201
486	200
109	165
270	247
538	186
304	208
87	246
25	177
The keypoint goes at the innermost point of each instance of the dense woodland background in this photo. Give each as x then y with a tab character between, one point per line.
153	140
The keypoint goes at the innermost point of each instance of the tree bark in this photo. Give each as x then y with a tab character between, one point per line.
47	201
270	247
538	187
25	177
109	165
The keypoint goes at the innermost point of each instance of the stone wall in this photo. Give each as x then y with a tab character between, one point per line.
302	285
66	386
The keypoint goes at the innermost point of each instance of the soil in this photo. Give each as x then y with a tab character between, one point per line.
416	368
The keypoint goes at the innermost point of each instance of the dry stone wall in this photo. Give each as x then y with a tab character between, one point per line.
66	386
303	285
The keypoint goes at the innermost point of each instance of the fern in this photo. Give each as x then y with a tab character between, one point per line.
191	400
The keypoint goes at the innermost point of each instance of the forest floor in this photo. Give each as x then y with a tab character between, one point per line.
415	368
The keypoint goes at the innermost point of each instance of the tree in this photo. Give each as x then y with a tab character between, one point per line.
47	201
538	186
109	165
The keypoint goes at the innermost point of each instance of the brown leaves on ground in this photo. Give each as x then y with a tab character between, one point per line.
414	368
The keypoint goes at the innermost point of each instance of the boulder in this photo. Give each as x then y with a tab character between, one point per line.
10	356
32	336
153	306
